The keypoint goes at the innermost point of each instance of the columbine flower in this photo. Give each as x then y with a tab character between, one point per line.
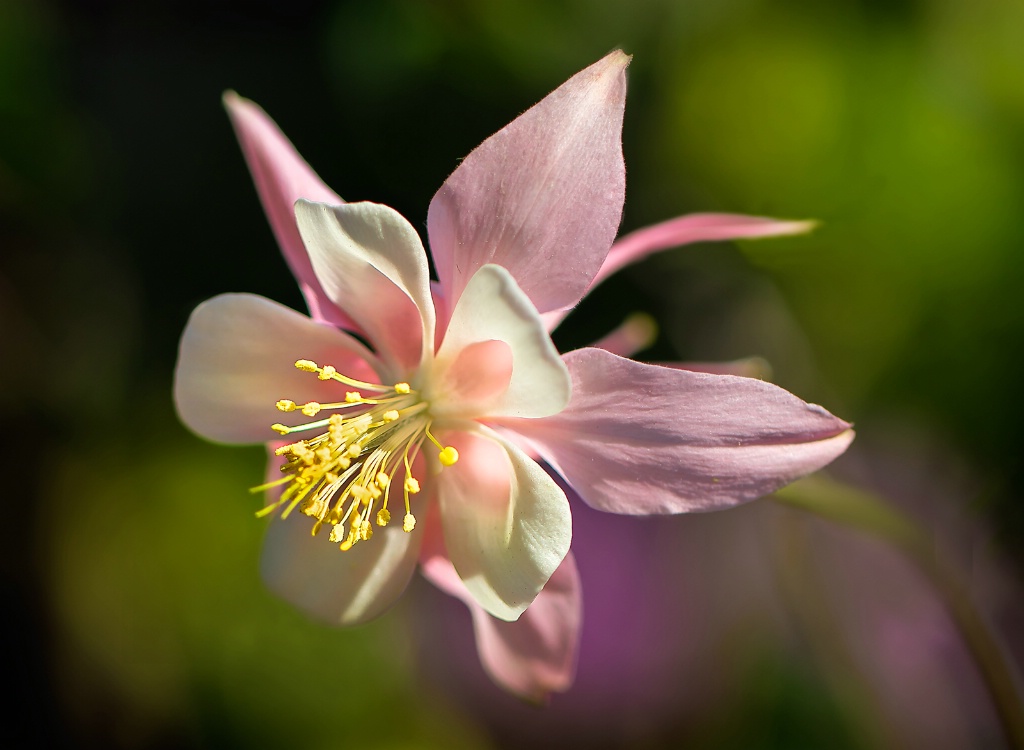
438	421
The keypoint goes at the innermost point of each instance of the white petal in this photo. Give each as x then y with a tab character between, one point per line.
507	524
237	359
372	264
339	588
493	308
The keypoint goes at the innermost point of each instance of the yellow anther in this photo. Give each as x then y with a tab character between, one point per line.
390	416
409	523
360	493
402	388
353	397
383	517
324	454
311	409
314	507
412	486
338	533
383	480
336	421
286	405
283	449
306	365
327	373
365	530
347	544
280	429
354	450
330	477
448	456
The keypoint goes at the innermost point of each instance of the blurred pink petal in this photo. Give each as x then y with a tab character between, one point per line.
543	196
535	655
643	439
282	177
635	333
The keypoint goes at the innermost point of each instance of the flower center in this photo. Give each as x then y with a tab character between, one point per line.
345	475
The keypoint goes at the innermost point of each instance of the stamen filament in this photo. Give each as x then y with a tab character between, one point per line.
307	365
446	453
344	475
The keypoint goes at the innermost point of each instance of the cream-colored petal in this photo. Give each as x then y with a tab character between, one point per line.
507	524
371	263
237	359
339	588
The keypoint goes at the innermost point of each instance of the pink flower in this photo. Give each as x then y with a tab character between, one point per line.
443	418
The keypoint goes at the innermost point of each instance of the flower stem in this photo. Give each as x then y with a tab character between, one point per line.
803	585
871	514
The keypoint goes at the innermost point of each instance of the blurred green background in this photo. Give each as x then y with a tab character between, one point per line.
136	618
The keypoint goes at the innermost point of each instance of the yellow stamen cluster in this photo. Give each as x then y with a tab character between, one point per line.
343	476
